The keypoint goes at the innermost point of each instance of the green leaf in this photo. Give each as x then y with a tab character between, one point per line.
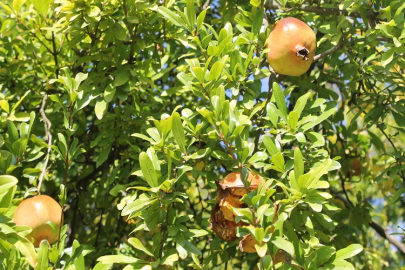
43	261
178	131
119	259
338	265
7	197
258	156
298	164
17	5
261	210
320	119
136	243
387	57
7	182
394	198
4	105
272	114
255	3
42	6
144	137
137	206
119	31
27	250
93	11
270	146
148	170
284	244
171	16
198	73
399	119
300	104
386	27
280	100
191	248
348	252
109	93
293	120
103	266
278	161
122	78
170	259
20	117
376	141
323	254
12	132
191	13
257	21
100	109
317	139
243	212
62	145
201	18
216	71
261	249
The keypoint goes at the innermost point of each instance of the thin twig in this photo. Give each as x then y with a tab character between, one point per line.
327	52
314	9
342	180
55	55
378	228
48	136
132	33
164	232
206	4
395	149
269	94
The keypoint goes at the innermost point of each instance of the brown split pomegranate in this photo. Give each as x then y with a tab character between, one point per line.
230	190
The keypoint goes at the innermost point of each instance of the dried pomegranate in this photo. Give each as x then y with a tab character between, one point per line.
225	229
247	244
234	183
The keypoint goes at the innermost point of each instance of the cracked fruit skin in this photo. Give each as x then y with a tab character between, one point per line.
35	212
234	183
292	45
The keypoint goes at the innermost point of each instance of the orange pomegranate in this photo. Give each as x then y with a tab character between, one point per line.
35	212
292	45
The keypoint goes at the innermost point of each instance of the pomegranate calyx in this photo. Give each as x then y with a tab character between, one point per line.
303	53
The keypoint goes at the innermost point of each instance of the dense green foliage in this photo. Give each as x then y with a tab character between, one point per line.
130	111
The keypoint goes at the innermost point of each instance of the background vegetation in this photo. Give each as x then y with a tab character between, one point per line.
132	110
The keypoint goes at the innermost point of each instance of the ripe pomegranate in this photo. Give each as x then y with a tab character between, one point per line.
292	45
35	212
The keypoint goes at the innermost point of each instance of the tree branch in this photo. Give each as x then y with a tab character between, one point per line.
48	135
378	228
395	149
314	9
327	52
